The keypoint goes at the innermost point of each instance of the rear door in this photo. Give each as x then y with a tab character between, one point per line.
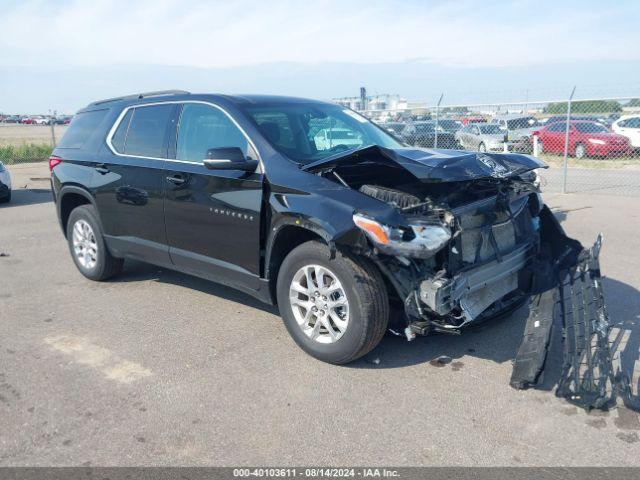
212	217
130	181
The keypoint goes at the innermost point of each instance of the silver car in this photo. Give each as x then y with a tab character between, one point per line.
519	130
5	184
483	137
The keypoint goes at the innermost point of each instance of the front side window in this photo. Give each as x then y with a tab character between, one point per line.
144	134
307	132
203	127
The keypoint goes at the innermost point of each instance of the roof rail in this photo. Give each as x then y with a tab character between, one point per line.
137	96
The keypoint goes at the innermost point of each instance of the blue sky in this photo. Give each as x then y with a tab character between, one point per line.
230	39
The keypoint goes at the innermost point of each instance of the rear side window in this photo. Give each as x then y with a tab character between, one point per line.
81	128
147	131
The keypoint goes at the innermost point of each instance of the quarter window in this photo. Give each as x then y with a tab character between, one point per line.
203	127
81	128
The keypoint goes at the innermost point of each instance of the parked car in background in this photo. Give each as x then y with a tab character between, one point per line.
629	126
519	130
394	128
586	139
26	120
63	120
483	137
423	134
450	125
13	119
329	138
472	119
5	184
40	120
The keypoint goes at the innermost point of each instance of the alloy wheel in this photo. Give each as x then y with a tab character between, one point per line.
85	246
319	303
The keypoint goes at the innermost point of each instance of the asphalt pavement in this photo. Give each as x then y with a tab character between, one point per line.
158	368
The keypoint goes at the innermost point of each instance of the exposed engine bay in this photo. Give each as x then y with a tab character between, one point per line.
466	250
477	241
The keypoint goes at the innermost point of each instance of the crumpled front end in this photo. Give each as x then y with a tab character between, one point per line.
476	241
485	266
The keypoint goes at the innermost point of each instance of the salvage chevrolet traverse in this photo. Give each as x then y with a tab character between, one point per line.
307	205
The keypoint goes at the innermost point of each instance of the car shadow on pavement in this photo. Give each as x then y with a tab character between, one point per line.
28	196
496	340
135	271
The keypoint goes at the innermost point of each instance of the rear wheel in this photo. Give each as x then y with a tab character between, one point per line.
580	151
482	147
87	246
336	309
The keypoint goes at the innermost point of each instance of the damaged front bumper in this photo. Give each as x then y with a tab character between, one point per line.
475	289
574	306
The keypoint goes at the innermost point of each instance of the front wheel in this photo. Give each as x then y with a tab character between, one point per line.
482	148
335	308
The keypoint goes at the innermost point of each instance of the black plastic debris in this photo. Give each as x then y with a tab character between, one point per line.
588	378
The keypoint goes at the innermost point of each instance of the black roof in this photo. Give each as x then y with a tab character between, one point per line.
164	95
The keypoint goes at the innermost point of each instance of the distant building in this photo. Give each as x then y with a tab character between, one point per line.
373	102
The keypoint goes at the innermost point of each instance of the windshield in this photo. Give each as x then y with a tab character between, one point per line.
524	122
490	129
307	132
591	128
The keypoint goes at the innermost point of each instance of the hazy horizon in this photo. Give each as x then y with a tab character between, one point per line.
62	55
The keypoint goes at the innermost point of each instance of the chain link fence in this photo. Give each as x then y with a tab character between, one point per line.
23	140
590	145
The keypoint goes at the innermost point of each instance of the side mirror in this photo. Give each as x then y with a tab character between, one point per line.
228	158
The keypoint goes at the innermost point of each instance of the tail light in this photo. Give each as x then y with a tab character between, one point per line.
53	162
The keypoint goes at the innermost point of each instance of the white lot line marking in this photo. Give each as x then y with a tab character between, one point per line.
100	358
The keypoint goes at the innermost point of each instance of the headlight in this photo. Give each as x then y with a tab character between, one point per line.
421	240
596	141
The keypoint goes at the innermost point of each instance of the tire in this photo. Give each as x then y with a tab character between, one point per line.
7	198
90	239
482	148
580	151
363	287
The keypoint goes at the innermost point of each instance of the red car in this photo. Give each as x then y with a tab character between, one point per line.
467	120
586	139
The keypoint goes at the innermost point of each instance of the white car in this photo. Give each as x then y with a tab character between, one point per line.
40	120
329	138
629	126
5	184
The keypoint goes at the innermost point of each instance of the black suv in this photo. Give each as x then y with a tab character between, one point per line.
305	204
